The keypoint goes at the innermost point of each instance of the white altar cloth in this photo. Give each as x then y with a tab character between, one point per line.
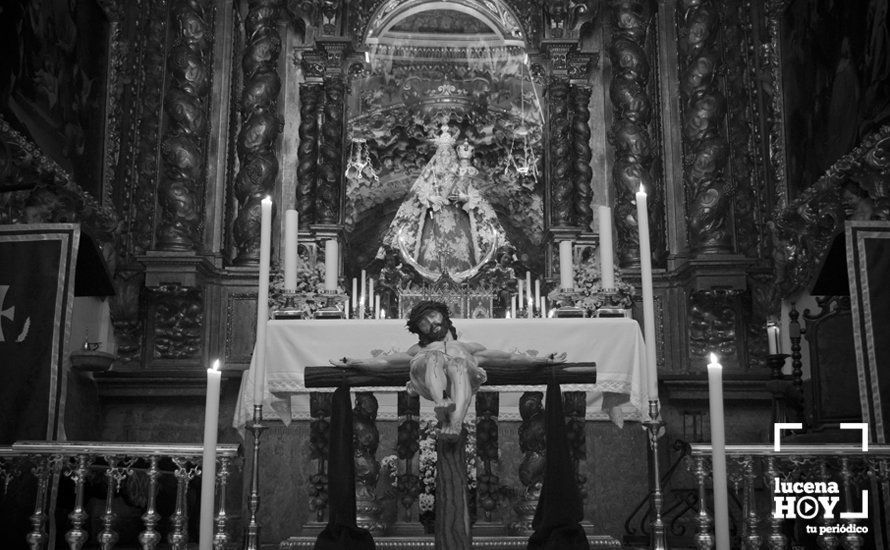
615	344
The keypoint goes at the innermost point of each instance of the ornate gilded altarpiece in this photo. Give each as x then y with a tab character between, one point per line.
329	107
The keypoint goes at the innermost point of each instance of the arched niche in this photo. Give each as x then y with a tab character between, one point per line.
428	63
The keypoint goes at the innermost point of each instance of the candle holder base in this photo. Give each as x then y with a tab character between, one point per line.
776	361
611	312
334	305
655	426
568	300
252	532
569	312
290	309
611	302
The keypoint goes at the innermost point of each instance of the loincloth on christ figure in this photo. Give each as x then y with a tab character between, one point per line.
442	355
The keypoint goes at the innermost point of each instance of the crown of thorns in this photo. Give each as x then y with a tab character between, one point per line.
421	309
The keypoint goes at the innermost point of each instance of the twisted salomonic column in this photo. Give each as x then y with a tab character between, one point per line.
319	447
260	126
580	98
408	483
488	483
366	438
183	146
632	110
307	154
532	443
327	195
575	410
562	197
705	147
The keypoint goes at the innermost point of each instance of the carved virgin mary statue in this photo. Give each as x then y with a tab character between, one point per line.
445	226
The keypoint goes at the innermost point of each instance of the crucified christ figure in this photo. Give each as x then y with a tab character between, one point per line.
443	369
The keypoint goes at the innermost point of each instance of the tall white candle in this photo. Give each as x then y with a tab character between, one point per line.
331	264
528	291
354	296
772	337
566	275
521	293
607	259
291	241
377	306
208	464
538	293
718	457
512	307
371	294
648	294
362	297
262	303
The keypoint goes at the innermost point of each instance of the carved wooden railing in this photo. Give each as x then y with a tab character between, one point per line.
150	463
758	475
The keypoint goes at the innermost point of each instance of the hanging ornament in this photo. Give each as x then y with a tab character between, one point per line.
359	167
522	159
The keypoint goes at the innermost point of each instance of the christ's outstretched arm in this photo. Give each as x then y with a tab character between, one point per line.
382	361
493	355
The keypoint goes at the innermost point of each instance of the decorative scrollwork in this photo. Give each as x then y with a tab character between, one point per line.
713	325
178	322
804	231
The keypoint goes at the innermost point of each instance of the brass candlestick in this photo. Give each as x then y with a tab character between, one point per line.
778	387
611	302
334	305
256	427
290	310
654	426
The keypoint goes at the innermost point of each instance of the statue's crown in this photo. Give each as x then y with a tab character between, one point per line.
464	150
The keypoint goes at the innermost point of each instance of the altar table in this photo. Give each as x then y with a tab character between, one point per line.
614	344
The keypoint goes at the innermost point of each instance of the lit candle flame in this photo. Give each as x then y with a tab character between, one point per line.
216	365
713	358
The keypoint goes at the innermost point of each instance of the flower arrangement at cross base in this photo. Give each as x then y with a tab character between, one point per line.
423	486
589	294
309	296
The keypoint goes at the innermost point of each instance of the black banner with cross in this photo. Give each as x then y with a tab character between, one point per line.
36	298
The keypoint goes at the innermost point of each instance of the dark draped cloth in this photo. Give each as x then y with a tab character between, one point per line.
557	522
341	532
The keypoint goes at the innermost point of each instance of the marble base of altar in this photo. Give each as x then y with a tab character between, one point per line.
422	543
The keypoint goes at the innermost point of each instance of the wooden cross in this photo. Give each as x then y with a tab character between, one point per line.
452	517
